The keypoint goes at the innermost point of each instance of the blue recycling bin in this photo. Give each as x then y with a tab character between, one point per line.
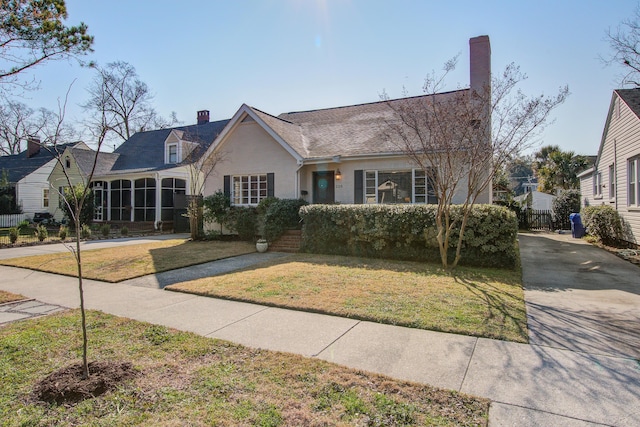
577	229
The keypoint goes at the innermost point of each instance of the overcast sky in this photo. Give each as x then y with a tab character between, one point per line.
293	55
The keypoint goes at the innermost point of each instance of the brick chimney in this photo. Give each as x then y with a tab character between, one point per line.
480	63
203	117
33	146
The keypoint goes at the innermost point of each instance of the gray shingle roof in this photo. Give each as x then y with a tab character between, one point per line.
356	130
144	151
85	158
20	165
632	98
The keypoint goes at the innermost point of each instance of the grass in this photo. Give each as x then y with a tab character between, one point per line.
472	301
186	379
9	297
127	262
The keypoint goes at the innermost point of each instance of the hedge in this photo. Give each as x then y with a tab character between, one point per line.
408	232
604	223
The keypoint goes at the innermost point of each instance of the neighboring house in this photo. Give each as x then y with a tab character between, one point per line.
615	178
334	155
29	172
539	201
138	182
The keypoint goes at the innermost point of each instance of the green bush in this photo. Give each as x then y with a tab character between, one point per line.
124	230
604	223
105	229
42	232
567	202
244	221
13	235
62	232
86	215
281	215
409	232
85	231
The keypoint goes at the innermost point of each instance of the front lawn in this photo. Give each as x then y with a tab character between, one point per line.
471	301
184	379
126	262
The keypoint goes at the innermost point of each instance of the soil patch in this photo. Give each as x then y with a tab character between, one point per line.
66	385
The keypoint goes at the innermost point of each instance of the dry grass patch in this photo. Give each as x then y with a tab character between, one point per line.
185	379
126	262
9	297
471	301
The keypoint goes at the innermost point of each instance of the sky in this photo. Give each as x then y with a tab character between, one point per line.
294	55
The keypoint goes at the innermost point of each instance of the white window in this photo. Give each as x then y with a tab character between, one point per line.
248	189
172	153
597	184
612	181
408	186
633	198
45	197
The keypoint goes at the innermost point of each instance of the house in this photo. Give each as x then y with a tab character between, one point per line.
144	177
614	180
28	173
536	200
333	155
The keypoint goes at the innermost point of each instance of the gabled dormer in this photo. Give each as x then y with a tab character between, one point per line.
177	147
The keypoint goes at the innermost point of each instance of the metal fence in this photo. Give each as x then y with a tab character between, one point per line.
530	219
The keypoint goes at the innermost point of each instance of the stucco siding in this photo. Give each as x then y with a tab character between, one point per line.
248	149
345	188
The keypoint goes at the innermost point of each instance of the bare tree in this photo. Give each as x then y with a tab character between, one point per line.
19	122
75	199
118	94
460	140
624	41
200	168
32	32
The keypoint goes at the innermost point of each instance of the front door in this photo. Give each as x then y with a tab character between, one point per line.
323	187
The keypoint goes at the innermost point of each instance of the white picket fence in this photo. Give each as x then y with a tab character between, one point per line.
12	220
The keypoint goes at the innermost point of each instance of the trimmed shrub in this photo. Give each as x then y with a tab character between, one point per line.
243	221
62	232
105	229
281	215
409	232
42	232
124	230
13	235
85	231
604	223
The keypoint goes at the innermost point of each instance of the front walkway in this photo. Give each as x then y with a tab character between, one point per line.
530	385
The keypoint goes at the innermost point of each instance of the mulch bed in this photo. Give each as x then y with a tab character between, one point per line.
66	385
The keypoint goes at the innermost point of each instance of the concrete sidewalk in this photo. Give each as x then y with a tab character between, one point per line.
530	385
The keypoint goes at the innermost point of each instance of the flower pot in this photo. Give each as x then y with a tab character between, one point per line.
262	246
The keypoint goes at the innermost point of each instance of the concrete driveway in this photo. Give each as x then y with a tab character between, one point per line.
580	297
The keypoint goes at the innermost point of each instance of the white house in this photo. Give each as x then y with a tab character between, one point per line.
29	172
615	178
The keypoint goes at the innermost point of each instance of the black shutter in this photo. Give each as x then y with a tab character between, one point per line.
270	189
227	186
358	181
